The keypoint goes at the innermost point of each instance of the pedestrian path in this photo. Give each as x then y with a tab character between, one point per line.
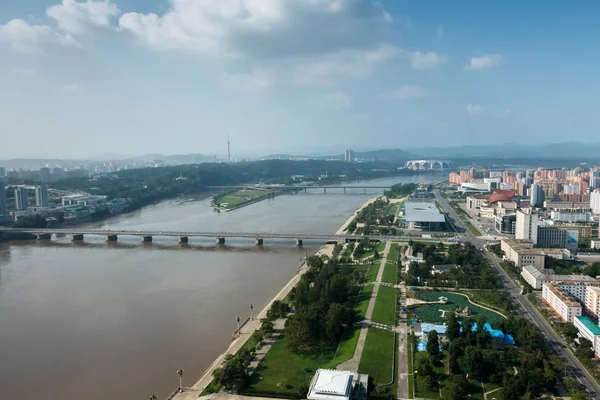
352	364
402	330
259	355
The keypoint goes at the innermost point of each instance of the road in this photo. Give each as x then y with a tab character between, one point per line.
578	370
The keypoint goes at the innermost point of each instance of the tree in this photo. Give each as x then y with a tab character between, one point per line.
334	326
472	362
376	254
452	326
584	350
433	345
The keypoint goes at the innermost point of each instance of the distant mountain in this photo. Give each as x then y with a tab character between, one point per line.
515	150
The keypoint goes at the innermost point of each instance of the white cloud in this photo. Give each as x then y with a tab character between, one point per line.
271	28
344	64
256	80
487	61
71	88
426	60
474	109
409	92
27	38
333	101
78	17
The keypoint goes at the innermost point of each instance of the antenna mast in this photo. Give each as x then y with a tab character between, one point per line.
228	149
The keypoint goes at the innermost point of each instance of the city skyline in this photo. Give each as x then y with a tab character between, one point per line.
81	79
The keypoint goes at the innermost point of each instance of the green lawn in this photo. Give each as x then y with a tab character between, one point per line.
240	196
290	371
472	228
370	271
390	273
378	356
346	348
393	253
385	306
410	348
251	342
362	302
431	313
380	247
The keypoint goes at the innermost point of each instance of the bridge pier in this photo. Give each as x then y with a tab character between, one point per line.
259	241
221	240
183	239
111	238
146	239
44	236
76	237
344	189
298	242
324	190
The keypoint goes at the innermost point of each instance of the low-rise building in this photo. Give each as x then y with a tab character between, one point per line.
574	284
522	253
588	330
595	244
566	307
329	384
506	223
534	276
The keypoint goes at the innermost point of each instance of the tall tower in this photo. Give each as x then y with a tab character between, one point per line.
228	149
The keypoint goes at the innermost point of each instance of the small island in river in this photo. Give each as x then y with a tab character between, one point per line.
243	196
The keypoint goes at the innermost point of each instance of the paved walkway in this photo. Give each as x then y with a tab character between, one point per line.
352	364
403	348
259	355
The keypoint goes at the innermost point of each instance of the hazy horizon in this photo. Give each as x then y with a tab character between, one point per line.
79	79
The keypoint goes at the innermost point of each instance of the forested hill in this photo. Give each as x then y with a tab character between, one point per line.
148	185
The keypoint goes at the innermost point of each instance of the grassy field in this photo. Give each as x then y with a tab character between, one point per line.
346	348
363	300
290	371
431	313
472	228
393	253
240	196
370	271
378	356
369	253
385	306
390	273
421	389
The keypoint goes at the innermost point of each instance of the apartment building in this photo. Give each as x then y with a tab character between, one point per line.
563	305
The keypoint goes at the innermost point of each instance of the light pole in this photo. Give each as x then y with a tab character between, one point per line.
251	308
237	319
180	373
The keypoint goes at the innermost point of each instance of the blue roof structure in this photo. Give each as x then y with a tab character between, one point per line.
427	327
495	333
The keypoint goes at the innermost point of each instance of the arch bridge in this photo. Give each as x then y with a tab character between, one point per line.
428	164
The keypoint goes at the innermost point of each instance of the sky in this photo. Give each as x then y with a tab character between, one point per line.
129	77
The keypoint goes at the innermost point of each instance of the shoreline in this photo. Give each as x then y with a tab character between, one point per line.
248	329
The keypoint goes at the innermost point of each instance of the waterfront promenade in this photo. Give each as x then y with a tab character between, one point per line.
245	332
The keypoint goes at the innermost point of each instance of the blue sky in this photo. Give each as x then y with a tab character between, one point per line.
86	78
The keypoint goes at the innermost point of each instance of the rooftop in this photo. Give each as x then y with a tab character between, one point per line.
422	212
328	384
589	325
562	295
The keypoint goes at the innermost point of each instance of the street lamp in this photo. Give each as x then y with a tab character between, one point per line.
251	307
238	323
180	373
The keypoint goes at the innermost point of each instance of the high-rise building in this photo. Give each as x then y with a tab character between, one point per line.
2	172
21	198
3	206
41	196
349	155
527	225
537	195
45	175
595	201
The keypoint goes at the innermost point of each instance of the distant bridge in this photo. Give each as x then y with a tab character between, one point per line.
304	188
428	164
183	236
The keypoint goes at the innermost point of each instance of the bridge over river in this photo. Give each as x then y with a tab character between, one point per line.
183	236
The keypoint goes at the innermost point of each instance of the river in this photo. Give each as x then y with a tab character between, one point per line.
100	320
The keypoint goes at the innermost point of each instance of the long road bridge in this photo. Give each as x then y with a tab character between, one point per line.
304	188
183	236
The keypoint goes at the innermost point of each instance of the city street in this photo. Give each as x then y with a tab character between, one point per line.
577	369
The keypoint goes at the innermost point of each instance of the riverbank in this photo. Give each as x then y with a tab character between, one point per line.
358	210
247	330
258	194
